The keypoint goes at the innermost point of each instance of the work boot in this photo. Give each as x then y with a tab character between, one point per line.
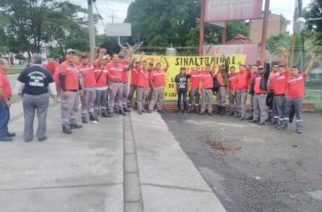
299	129
92	118
66	129
127	110
10	135
104	114
285	124
75	126
84	120
121	112
109	115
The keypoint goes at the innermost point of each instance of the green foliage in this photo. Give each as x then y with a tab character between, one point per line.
314	10
166	22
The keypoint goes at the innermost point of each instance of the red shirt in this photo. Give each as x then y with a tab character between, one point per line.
143	78
281	83
51	67
115	71
207	80
232	83
272	80
87	71
134	76
257	87
5	84
195	79
101	77
243	80
71	73
296	86
125	77
158	78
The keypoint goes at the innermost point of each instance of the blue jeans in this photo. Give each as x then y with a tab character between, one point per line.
182	94
4	119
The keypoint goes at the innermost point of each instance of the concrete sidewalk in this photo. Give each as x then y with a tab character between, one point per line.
130	164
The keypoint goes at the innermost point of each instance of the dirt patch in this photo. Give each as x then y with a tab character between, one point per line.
221	148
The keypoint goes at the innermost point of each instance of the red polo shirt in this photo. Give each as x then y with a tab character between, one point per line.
257	86
5	84
101	77
51	67
296	86
195	79
87	71
232	83
207	80
243	80
134	76
143	78
281	83
158	78
71	73
272	80
115	71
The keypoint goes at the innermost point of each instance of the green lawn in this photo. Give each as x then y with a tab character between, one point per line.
15	70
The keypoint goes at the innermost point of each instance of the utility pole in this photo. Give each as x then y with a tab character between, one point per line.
202	27
91	29
302	50
265	29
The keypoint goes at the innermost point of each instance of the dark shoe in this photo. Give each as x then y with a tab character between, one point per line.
42	139
144	111
219	110
6	139
243	119
253	121
109	115
127	110
223	111
122	113
92	118
11	134
261	123
149	111
202	113
210	114
250	118
140	112
66	129
160	111
76	126
84	120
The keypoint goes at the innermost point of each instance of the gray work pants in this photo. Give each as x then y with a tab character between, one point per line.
275	109
297	103
69	107
260	108
88	100
133	89
157	97
206	100
116	92
31	105
241	103
194	95
100	104
232	102
125	94
221	97
280	105
141	96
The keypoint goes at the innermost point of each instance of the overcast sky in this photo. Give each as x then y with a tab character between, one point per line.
119	9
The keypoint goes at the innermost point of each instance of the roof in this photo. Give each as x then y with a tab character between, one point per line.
239	39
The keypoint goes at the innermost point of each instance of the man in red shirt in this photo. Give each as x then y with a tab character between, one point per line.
88	81
223	80
101	87
115	69
71	90
206	85
232	91
295	94
260	92
273	114
51	65
134	80
242	85
194	94
5	95
143	86
157	80
125	81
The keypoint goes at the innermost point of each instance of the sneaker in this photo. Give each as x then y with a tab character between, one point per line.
261	124
210	114
76	126
84	120
6	139
122	113
127	110
242	119
253	121
91	118
160	111
94	122
42	139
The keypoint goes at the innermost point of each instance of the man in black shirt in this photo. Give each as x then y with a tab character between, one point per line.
33	85
182	89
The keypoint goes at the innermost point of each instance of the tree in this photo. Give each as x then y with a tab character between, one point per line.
165	22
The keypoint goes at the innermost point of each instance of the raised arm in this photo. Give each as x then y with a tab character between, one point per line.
308	68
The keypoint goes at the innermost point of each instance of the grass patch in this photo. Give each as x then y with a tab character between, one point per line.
15	70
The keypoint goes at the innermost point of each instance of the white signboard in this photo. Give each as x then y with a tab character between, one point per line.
119	30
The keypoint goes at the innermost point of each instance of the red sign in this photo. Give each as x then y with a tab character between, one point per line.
250	50
226	10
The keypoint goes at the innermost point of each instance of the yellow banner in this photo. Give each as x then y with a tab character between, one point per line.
176	62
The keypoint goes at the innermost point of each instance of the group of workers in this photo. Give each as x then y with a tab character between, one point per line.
103	87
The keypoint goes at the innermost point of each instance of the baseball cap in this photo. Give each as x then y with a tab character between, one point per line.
70	51
83	56
105	57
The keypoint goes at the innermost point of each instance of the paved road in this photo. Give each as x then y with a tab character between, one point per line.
253	168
